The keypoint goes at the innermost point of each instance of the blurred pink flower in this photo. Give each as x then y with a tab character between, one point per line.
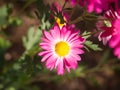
115	39
95	5
108	29
74	2
111	34
62	47
101	5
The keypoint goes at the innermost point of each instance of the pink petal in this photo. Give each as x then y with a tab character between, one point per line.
73	39
72	36
76	42
45	40
98	10
43	53
66	35
50	63
77	51
70	62
56	32
90	8
77	45
60	67
114	41
47	35
46	57
46	47
117	51
75	57
63	32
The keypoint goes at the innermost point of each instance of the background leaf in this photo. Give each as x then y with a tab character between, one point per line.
92	46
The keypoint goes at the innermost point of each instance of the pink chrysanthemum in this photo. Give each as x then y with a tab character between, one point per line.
115	39
61	48
95	5
111	34
108	30
100	5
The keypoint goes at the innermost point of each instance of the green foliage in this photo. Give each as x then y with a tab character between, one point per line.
45	24
6	18
44	15
42	10
4	45
19	74
86	34
32	39
15	21
3	15
92	46
80	71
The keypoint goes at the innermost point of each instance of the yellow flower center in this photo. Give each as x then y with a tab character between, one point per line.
62	48
59	22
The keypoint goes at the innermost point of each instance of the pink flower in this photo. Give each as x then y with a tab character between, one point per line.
101	5
61	48
111	34
115	39
74	2
108	30
95	5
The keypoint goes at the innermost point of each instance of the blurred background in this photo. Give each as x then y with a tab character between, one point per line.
21	22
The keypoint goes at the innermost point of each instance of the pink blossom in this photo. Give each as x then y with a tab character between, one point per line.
95	5
61	48
111	34
115	39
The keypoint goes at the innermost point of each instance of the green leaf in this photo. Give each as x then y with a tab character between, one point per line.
3	15
80	71
32	38
86	34
15	21
5	12
4	45
45	24
92	46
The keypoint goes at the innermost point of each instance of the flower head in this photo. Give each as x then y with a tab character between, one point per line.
111	34
115	39
62	47
95	5
108	29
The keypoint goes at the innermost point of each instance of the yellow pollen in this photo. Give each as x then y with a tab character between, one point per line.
59	22
62	48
